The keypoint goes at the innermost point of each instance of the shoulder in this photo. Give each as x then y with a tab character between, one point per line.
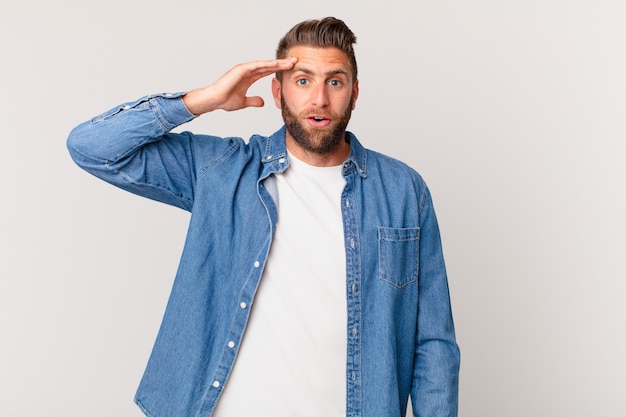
376	165
390	168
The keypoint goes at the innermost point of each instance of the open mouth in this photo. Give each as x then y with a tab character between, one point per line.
318	121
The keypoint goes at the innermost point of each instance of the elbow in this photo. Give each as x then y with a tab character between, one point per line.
73	144
83	147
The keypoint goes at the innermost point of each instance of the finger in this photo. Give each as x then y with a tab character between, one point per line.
287	63
254	101
267	67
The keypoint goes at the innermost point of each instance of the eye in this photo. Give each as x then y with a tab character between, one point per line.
302	81
335	83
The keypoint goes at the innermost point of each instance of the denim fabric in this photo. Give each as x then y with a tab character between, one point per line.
400	331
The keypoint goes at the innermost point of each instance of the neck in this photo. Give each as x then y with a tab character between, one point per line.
336	156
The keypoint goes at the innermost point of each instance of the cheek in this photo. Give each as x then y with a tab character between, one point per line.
294	101
347	102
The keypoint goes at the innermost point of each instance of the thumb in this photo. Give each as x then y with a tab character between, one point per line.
254	101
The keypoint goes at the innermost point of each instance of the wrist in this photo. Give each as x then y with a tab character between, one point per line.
198	102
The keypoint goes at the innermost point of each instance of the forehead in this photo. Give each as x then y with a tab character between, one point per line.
318	59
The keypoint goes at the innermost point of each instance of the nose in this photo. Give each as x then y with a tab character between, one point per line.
320	95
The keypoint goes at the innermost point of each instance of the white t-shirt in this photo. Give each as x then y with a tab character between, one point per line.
292	361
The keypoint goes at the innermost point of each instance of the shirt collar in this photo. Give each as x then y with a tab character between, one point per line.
275	154
358	157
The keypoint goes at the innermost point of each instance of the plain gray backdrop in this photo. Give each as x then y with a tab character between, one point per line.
513	111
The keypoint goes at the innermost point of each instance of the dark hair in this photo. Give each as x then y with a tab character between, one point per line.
324	33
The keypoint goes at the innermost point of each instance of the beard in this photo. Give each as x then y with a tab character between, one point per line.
319	140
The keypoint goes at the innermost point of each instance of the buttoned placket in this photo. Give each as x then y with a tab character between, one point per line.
243	313
353	290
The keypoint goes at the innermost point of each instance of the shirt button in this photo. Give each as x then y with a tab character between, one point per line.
281	160
353	287
231	344
268	157
216	384
347	203
354	331
257	264
352	245
243	305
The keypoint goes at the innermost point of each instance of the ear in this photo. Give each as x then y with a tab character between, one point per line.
276	88
355	93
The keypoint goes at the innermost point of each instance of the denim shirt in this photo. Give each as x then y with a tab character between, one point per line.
400	332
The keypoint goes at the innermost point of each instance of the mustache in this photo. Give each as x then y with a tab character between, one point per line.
324	114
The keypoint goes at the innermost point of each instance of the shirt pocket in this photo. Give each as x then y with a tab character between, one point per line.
398	255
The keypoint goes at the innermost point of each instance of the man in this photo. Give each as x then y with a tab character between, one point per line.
312	281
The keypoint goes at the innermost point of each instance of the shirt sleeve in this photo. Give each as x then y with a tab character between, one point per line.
436	371
131	147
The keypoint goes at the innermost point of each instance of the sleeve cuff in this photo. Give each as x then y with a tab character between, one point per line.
170	109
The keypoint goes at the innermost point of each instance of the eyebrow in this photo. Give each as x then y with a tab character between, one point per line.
338	71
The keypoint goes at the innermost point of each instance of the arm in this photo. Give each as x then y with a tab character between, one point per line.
436	371
131	145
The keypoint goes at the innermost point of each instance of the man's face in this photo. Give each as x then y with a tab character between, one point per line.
317	97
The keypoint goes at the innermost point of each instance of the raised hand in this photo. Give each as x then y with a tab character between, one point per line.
230	91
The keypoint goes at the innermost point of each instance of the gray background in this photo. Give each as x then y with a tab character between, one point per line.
513	111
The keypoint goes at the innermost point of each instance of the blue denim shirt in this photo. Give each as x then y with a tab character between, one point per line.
400	332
